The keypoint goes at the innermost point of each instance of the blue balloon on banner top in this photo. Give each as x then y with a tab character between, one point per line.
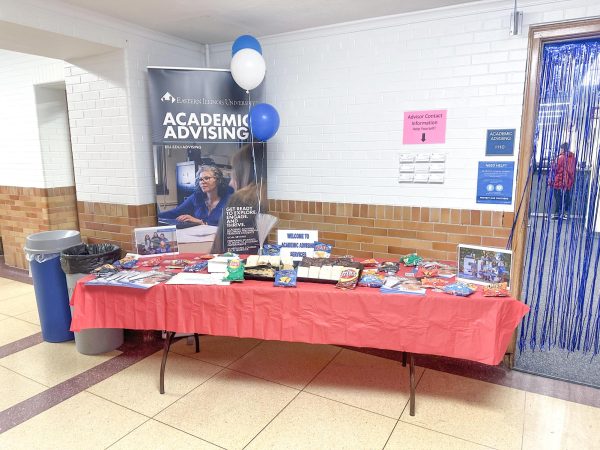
264	121
246	41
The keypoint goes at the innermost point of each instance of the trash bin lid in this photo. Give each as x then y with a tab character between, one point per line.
51	241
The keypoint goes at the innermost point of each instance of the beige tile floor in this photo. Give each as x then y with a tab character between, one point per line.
245	393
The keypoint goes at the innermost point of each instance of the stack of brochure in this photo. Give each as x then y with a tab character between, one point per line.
132	279
399	285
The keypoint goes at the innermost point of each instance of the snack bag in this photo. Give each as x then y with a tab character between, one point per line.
369	262
389	267
411	260
105	269
433	283
322	250
371	279
271	250
150	262
197	267
496	290
125	263
285	278
235	270
460	289
348	279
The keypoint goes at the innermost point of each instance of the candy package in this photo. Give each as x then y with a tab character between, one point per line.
285	278
460	289
150	262
322	250
371	279
433	283
196	267
271	250
235	270
389	267
105	269
411	260
370	262
348	278
125	263
496	290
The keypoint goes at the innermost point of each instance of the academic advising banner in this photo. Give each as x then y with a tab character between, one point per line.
204	160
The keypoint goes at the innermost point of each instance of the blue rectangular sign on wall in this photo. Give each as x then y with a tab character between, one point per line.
500	142
495	182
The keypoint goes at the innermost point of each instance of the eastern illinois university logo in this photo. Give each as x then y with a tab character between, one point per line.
167	98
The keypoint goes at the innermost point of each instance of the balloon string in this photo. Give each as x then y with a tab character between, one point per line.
259	184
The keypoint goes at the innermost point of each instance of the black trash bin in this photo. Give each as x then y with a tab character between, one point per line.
76	263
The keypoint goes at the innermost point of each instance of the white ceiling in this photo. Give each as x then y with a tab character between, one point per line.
216	21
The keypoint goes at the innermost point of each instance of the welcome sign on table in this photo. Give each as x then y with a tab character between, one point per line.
297	243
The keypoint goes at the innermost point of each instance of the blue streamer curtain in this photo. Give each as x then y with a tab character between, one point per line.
561	282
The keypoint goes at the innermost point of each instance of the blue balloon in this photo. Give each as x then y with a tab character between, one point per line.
246	41
264	121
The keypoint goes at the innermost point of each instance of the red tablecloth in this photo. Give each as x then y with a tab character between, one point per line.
475	328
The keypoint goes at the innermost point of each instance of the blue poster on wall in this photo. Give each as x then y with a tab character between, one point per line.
500	142
495	182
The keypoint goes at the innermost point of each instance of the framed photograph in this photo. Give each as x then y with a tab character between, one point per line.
156	240
483	265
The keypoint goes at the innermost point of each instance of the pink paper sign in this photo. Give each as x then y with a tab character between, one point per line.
425	127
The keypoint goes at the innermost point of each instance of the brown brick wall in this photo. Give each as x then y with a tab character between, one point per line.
378	231
106	222
24	211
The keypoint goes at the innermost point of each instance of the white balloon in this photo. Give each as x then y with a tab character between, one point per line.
248	68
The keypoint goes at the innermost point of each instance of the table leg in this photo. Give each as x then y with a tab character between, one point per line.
412	384
403	359
197	339
168	341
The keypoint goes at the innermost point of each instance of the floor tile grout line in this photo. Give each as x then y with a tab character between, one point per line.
27	409
186	432
446	434
25	376
115	403
524	420
242	356
295	396
190	391
127	434
392	432
271	421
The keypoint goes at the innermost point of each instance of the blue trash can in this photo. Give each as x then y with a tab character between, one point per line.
49	282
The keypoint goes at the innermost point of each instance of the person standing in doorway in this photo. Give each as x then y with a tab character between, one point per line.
562	177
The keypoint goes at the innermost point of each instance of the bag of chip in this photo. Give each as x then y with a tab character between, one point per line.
235	270
411	260
459	289
125	263
433	283
285	278
348	279
370	262
196	267
322	250
372	279
496	290
271	250
150	262
389	267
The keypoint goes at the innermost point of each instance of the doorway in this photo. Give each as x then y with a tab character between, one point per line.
559	245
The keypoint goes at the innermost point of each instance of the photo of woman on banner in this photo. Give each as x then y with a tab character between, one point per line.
205	205
248	178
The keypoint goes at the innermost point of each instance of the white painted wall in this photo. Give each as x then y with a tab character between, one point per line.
55	138
341	92
20	147
107	95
